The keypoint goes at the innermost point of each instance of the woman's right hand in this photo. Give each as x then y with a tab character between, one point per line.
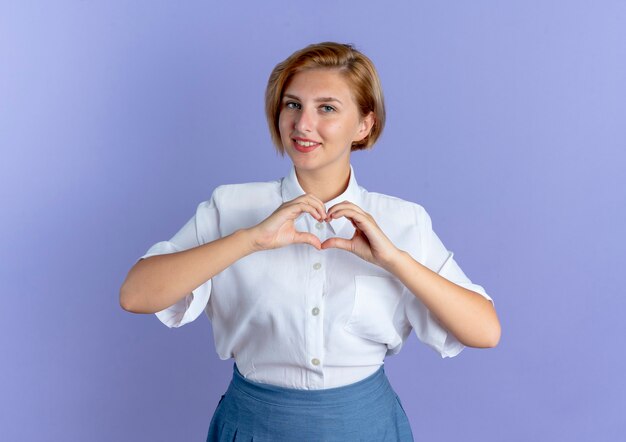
278	229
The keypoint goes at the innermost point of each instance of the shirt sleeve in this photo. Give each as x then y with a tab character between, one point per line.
200	229
437	258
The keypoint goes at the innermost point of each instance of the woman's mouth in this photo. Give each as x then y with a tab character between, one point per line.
304	145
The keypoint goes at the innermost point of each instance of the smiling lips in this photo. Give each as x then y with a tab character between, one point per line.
304	145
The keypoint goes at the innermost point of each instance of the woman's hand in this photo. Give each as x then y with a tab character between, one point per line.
368	242
278	229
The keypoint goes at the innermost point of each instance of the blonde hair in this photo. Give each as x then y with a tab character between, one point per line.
357	69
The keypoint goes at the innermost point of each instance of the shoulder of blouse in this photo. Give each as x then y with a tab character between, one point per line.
243	195
397	209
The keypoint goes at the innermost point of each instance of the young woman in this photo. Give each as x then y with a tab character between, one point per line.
310	281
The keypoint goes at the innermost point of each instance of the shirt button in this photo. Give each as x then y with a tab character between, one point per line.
315	311
317	266
315	361
319	226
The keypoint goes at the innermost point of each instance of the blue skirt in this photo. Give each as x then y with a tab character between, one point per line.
367	410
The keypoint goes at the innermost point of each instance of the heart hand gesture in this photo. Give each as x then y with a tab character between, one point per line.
278	229
368	242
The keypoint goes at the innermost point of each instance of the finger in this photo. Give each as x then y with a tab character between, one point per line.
298	208
320	211
361	221
314	198
307	238
314	201
353	215
345	205
318	203
337	243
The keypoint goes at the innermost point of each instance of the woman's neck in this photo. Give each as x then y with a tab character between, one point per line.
325	184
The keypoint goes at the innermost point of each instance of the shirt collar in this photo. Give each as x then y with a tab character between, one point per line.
290	189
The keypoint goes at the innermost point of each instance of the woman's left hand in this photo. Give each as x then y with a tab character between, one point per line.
368	242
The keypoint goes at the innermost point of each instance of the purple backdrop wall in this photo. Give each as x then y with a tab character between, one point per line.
506	121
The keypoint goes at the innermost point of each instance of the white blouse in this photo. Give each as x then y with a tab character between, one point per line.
303	318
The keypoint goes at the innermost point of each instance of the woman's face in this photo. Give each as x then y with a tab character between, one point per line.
319	120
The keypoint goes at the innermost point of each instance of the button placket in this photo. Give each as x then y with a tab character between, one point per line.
313	315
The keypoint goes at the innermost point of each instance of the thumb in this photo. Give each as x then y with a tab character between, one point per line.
307	238
338	243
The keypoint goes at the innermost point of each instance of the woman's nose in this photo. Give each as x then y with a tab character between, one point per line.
304	121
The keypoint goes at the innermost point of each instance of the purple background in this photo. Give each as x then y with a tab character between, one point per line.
506	120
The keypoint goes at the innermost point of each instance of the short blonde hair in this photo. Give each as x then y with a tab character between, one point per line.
357	69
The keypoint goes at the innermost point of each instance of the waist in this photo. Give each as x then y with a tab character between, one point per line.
374	384
289	375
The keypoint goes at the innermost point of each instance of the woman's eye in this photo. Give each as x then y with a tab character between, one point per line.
327	108
292	105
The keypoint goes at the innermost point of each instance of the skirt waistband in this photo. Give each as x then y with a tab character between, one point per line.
277	395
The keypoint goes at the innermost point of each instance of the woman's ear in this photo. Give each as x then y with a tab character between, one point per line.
365	126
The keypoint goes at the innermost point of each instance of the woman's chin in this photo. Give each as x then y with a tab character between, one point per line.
303	160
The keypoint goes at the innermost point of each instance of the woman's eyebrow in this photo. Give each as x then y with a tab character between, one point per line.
320	99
